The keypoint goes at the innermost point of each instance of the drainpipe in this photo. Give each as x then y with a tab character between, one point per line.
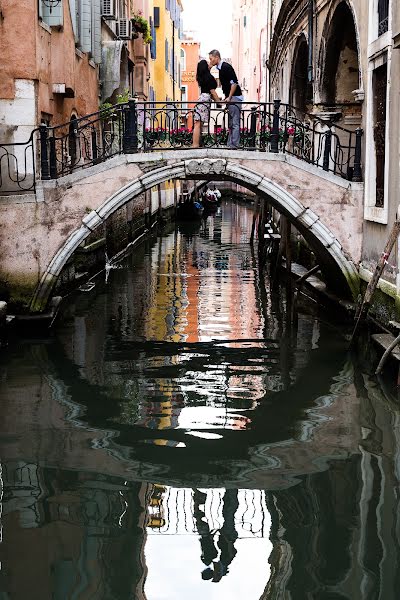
310	40
173	61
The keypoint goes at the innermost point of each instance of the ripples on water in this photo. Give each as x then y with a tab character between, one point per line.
175	438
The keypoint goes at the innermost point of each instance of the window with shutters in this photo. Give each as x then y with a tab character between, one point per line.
183	60
96	31
156	15
166	56
122	12
153	43
51	12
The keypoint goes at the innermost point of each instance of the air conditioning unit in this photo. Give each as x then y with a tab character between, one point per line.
124	29
108	9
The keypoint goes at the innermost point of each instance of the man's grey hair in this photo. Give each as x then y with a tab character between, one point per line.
215	53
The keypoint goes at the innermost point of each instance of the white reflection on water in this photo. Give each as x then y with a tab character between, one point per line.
175	555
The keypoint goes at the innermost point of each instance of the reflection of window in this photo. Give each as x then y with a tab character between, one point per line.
383	16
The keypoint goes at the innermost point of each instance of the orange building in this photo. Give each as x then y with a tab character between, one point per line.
49	68
190	56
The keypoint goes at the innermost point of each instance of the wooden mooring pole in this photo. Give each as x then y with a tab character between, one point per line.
255	217
371	287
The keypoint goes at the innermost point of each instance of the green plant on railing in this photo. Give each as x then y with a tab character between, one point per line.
108	110
181	136
296	133
142	26
155	135
218	138
124	96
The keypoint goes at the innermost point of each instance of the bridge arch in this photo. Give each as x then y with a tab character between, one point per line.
338	268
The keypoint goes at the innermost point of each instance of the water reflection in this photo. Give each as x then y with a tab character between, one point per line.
177	439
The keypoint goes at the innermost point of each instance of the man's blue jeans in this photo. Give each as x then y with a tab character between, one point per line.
234	108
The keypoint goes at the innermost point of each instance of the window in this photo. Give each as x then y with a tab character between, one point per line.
51	12
131	77
183	60
122	9
86	23
380	93
184	93
156	15
153	43
383	16
166	56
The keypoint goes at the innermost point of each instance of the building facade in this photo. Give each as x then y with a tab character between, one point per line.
165	77
190	56
50	52
337	61
250	42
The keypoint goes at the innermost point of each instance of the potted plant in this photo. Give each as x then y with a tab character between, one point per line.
142	26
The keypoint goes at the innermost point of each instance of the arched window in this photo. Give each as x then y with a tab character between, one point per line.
300	88
341	68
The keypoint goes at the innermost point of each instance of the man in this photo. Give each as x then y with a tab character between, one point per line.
233	96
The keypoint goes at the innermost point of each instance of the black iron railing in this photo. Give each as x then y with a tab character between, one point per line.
151	127
17	166
383	16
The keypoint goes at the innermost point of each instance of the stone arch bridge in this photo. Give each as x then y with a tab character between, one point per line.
40	232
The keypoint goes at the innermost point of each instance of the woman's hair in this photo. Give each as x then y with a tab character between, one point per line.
203	73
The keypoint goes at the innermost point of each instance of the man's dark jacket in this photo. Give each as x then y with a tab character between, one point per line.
227	76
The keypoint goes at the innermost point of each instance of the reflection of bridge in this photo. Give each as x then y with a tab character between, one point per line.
76	501
308	169
178	507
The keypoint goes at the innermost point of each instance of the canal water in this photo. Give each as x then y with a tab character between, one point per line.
175	438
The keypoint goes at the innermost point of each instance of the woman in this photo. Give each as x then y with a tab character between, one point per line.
207	85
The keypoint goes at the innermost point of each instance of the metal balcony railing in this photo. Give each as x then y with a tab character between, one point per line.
52	152
383	16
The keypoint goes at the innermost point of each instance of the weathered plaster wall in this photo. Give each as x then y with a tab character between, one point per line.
34	52
31	231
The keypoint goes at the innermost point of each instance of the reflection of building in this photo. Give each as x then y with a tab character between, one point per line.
72	534
156	511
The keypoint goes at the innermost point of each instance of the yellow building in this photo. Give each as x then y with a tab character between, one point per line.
165	73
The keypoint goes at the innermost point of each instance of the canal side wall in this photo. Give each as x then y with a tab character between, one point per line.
33	226
39	232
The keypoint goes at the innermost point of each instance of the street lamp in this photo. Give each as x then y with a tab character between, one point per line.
51	3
